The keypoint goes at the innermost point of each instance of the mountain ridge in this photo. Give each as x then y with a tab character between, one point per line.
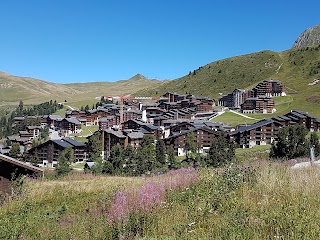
31	90
309	37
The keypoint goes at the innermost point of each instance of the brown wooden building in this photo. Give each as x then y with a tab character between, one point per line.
204	138
47	153
11	168
261	133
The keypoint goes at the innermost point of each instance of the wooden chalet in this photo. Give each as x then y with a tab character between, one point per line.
204	138
47	153
11	168
70	125
260	133
258	105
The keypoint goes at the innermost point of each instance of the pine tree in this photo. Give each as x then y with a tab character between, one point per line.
15	151
190	146
94	146
130	161
66	157
291	142
146	155
173	163
160	152
221	152
117	159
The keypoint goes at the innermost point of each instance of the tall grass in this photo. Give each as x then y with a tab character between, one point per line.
260	201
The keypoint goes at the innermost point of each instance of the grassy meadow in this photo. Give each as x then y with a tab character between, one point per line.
233	119
264	200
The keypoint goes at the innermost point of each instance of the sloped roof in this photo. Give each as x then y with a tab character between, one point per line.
55	117
73	120
61	143
20	163
118	134
252	126
135	135
74	142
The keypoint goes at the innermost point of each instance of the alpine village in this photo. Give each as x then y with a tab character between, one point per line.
229	151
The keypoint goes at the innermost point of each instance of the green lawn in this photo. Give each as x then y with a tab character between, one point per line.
251	154
81	139
233	119
79	165
61	112
86	131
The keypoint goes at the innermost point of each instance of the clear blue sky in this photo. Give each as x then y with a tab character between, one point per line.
83	41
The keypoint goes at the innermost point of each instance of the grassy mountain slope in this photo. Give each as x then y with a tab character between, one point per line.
32	91
300	68
296	68
224	75
13	89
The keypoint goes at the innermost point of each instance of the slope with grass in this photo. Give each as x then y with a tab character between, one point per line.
296	68
224	75
34	91
233	119
261	201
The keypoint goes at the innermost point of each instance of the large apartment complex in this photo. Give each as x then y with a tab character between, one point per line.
257	100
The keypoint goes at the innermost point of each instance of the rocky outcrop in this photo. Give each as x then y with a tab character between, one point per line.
309	37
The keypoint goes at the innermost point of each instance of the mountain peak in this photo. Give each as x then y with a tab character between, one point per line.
138	76
309	37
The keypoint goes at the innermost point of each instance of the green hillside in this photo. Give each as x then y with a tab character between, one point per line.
34	91
296	68
224	75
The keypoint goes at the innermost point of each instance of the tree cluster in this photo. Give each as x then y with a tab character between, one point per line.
292	142
153	157
7	127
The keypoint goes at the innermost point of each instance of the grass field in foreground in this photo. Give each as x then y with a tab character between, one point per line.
252	154
263	201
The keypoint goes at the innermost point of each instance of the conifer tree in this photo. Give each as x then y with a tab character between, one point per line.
221	152
160	152
66	157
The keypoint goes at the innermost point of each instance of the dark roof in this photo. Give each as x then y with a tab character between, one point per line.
151	127
106	119
136	135
304	113
192	129
73	120
252	126
61	143
118	134
293	118
19	163
297	115
74	142
284	118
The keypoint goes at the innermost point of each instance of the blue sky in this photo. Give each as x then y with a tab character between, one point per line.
67	41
